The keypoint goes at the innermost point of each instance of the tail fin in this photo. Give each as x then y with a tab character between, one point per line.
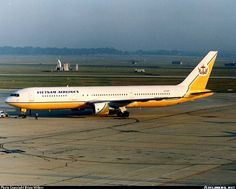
198	78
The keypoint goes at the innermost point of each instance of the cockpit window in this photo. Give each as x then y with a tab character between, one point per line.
15	94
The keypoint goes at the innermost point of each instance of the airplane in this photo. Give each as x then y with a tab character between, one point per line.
104	100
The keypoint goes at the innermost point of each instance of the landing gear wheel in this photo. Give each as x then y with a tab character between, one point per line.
119	114
22	116
123	114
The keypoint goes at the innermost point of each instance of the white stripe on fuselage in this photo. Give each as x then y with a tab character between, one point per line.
98	94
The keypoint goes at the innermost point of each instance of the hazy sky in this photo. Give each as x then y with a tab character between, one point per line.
122	24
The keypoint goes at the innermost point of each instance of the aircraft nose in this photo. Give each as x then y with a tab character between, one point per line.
8	100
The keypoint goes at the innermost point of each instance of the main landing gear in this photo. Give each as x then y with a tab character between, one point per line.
122	112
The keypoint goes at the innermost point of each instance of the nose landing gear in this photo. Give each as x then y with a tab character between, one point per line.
23	113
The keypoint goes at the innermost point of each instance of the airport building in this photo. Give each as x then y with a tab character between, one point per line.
62	67
177	62
139	70
230	65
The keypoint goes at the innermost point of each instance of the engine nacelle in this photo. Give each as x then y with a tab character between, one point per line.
101	108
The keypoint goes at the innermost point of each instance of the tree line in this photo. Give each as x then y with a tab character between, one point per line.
8	50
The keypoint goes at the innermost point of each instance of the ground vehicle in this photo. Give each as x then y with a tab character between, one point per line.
3	114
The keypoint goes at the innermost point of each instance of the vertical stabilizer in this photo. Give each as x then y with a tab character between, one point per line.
198	78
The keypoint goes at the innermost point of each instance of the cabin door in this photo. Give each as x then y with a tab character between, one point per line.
74	97
31	97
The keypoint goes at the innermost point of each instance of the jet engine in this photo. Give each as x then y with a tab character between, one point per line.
101	108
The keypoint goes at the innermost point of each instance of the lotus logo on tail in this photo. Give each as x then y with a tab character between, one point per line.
203	70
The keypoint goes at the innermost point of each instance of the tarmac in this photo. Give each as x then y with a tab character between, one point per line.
186	144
